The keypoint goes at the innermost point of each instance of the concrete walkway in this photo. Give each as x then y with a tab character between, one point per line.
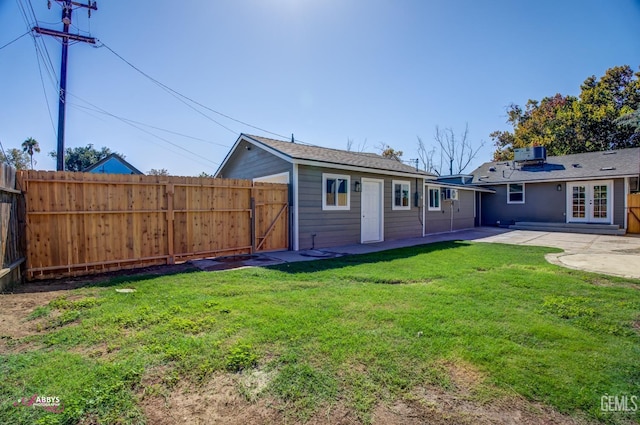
613	255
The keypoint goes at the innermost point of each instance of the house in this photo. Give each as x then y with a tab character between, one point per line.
572	190
112	164
337	197
452	203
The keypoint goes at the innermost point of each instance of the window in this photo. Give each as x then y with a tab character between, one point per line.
634	184
335	192
515	193
434	199
401	195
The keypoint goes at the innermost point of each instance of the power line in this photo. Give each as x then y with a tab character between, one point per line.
101	110
44	91
14	40
169	89
149	125
66	36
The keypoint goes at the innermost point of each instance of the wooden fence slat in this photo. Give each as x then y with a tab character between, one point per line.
633	220
83	223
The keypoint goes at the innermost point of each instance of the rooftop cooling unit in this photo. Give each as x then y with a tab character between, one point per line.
530	154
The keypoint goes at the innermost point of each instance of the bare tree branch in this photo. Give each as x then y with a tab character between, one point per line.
456	152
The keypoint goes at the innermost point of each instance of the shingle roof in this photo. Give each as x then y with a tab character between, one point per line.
591	165
107	158
337	156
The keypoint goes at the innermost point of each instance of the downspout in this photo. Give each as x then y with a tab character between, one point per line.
296	217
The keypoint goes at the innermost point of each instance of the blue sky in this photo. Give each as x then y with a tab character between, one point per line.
326	70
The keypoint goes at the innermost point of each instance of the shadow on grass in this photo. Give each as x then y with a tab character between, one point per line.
102	280
358	259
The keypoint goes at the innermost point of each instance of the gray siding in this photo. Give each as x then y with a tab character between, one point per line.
335	228
401	224
249	164
463	214
618	202
543	203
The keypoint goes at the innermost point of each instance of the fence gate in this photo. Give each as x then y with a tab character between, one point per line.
633	220
83	223
271	217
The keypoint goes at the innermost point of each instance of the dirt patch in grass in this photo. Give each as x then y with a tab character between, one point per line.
466	403
431	405
238	399
218	401
16	308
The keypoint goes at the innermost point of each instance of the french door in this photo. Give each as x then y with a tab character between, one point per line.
590	202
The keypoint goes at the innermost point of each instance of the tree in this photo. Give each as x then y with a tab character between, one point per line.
388	152
160	172
16	158
456	153
593	121
78	159
204	174
361	146
426	156
30	146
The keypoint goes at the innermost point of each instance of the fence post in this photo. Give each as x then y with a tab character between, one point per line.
253	221
169	190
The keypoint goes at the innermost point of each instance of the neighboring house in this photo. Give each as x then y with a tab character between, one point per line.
112	164
589	188
337	197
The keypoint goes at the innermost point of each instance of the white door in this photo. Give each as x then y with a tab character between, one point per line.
590	202
371	222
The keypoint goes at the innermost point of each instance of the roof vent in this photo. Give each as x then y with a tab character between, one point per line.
530	154
576	165
609	153
607	168
492	169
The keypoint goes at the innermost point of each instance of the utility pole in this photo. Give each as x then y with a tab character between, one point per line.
67	8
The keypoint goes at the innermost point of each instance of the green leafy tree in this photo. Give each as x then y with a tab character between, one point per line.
593	121
206	175
16	158
78	159
30	146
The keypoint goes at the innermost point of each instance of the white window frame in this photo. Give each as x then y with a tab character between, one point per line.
439	197
347	179
509	201
393	194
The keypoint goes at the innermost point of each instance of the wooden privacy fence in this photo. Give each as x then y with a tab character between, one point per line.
83	223
11	244
633	216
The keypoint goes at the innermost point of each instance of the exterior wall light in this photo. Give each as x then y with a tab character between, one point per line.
356	186
559	187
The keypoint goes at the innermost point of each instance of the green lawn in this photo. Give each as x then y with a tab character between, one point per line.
362	329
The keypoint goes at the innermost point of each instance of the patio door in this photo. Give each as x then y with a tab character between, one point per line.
590	202
371	209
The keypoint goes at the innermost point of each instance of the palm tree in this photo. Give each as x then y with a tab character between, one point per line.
30	146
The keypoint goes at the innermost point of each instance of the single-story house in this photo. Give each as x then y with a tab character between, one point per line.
589	188
452	203
112	164
340	197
